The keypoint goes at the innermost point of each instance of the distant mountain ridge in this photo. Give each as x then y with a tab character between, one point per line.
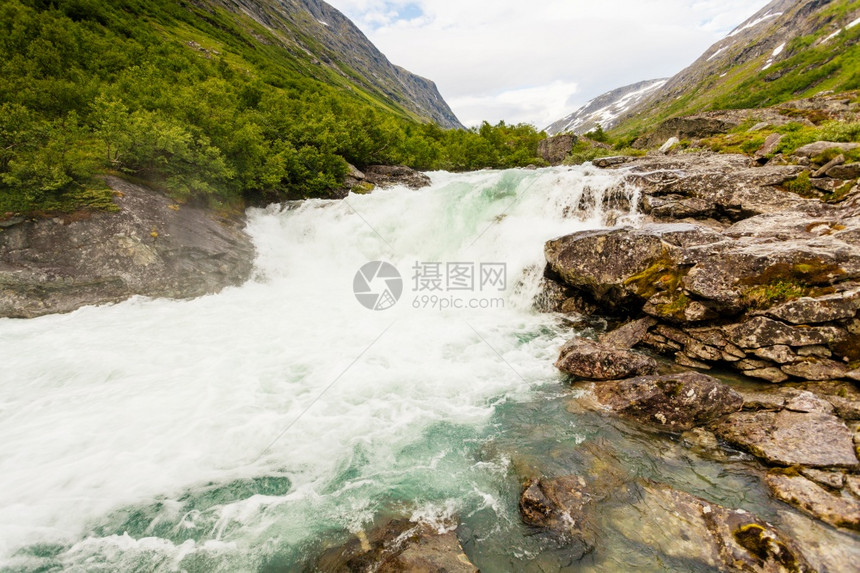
604	110
788	50
320	31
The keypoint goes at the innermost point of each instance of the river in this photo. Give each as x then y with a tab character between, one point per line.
247	430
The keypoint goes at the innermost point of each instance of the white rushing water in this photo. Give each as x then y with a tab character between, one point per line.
190	434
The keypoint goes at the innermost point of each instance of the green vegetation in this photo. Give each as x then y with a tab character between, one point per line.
200	102
806	67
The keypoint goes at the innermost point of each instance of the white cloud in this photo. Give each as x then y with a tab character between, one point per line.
508	60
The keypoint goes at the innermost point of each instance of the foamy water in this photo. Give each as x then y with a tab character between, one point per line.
234	429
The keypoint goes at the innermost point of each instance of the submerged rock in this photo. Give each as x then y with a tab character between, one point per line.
690	528
674	402
562	506
399	545
591	360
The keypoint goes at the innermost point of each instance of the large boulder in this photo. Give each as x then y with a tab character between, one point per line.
384	176
672	402
152	246
584	358
555	149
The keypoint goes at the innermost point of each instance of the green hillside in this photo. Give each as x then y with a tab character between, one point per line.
201	102
814	59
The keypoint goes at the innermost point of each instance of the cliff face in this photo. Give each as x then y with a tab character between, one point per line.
321	32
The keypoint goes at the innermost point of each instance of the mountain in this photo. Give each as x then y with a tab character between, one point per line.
605	109
788	50
317	30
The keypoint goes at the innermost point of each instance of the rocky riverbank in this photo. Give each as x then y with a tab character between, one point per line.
731	270
151	246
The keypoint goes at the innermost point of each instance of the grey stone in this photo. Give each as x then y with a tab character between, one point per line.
819	147
836	509
591	360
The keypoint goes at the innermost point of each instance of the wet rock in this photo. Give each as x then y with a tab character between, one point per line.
790	438
687	527
150	247
399	545
819	147
770	373
628	335
555	149
561	505
833	480
835	508
762	400
674	402
384	176
591	360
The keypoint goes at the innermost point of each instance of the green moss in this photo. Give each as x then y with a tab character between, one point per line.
788	281
363	188
767	295
800	185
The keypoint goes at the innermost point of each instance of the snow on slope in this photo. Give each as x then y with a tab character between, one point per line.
604	110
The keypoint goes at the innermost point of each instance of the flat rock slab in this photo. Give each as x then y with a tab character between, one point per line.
839	509
674	402
787	438
686	527
591	360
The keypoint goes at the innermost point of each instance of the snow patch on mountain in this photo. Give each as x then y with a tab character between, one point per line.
604	110
754	23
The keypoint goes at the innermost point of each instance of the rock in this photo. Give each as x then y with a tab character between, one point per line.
847	409
780	353
790	438
605	162
669	144
686	527
808	402
591	360
853	485
762	400
770	144
399	545
758	127
769	373
628	335
820	351
694	126
551	295
385	176
833	480
760	331
808	310
815	369
675	402
685	360
555	149
819	147
827	549
559	504
837	509
847	171
838	160
151	247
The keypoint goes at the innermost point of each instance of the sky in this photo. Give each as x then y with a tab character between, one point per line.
537	61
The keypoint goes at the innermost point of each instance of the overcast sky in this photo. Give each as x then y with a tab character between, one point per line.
538	61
